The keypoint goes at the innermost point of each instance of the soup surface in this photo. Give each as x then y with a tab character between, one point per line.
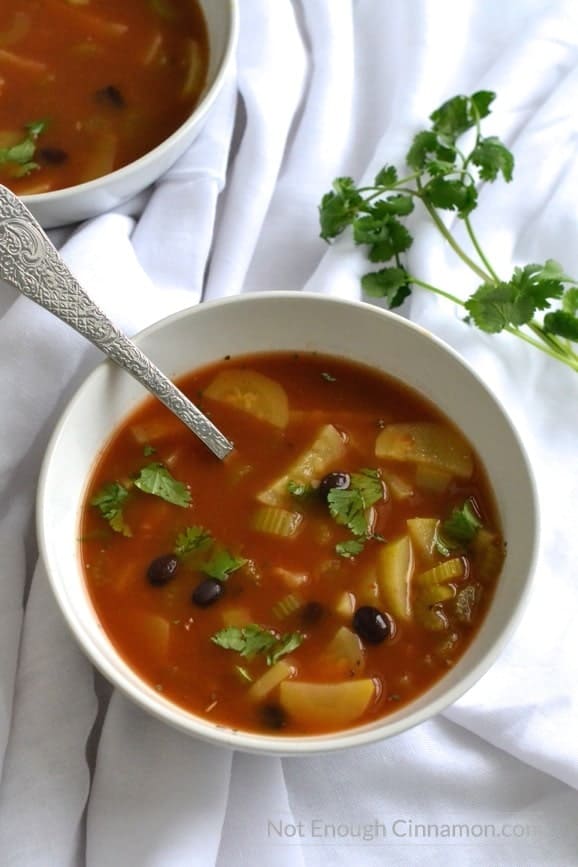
329	571
87	86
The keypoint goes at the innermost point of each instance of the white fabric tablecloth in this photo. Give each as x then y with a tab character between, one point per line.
322	88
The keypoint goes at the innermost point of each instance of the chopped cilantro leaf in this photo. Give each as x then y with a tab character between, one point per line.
348	506
459	529
110	500
254	639
191	539
148	451
221	563
155	479
299	489
351	548
22	153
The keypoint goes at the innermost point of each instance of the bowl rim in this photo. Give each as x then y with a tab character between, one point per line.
291	745
127	171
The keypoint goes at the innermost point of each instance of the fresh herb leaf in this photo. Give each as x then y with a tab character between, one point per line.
349	549
338	208
221	563
148	451
155	479
22	153
492	158
299	490
110	501
445	176
192	539
253	639
562	324
389	283
328	377
459	529
349	506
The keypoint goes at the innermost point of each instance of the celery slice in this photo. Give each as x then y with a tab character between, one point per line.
277	522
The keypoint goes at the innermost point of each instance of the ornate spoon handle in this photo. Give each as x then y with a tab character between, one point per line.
30	263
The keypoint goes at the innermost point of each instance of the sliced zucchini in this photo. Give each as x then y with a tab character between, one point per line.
395	566
321	705
311	465
252	392
426	443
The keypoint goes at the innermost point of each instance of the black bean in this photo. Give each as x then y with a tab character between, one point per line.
162	569
372	625
207	592
273	716
52	156
312	612
332	481
111	95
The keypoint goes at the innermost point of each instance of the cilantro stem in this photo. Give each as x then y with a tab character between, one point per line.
459	251
475	243
435	289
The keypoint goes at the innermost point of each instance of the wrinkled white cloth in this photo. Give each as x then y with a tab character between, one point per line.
321	88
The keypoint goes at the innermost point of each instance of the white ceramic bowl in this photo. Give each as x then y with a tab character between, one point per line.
299	321
82	201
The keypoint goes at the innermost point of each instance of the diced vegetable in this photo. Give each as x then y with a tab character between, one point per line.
345	651
395	570
423	534
290	578
426	443
287	606
318	705
236	617
345	605
277	522
367	590
311	465
430	478
399	487
271	679
251	392
156	431
489	554
441	573
431	616
154	633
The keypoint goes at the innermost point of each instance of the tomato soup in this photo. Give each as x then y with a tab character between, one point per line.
88	86
329	571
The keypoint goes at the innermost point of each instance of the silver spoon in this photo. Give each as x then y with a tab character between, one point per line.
31	264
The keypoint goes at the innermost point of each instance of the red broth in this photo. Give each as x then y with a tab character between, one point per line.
328	572
88	87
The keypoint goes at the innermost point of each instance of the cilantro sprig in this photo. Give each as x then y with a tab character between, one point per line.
349	508
538	303
110	500
212	558
459	529
156	479
251	640
21	155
